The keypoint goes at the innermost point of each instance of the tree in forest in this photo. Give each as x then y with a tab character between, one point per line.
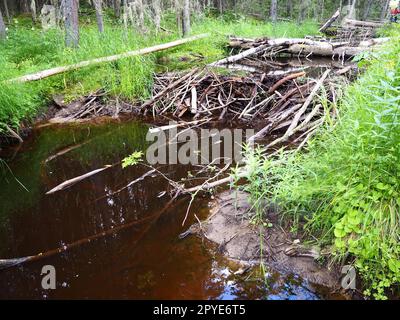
274	10
3	33
304	7
99	14
71	23
33	10
186	18
117	8
367	8
7	13
385	9
157	14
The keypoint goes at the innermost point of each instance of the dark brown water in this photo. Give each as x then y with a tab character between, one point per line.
144	261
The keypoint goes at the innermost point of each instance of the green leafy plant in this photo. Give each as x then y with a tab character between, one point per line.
345	188
132	160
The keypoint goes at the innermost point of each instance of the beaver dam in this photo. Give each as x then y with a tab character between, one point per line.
136	232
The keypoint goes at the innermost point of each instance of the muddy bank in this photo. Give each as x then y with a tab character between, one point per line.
229	226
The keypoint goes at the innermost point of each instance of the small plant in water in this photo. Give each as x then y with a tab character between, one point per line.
132	160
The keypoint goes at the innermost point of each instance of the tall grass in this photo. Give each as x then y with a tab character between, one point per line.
28	49
346	186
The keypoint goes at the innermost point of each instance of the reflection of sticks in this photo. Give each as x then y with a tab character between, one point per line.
148	173
64	151
8	263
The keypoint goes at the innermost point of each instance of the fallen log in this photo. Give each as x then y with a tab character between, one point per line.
330	21
58	70
239	56
358	23
299	47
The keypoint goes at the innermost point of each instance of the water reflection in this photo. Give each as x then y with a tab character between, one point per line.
145	260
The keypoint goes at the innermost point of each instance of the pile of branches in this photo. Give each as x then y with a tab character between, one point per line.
288	102
204	93
92	106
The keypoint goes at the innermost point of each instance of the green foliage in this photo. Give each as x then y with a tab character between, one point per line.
346	187
29	49
132	160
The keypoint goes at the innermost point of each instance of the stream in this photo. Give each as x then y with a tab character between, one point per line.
145	261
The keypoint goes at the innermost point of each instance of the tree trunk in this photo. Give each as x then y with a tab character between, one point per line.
58	70
367	9
3	33
352	13
274	10
6	11
33	10
117	8
304	6
289	8
385	10
186	18
99	14
71	23
157	14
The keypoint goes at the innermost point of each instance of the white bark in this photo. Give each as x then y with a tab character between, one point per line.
186	18
71	23
274	10
3	33
99	14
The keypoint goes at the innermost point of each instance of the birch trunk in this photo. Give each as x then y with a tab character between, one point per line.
274	10
71	23
186	18
157	14
99	14
3	33
385	10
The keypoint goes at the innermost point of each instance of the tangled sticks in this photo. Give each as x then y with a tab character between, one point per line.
289	101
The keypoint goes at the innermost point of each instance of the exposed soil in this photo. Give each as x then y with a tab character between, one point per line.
230	228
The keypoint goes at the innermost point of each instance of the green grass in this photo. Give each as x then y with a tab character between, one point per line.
28	49
346	186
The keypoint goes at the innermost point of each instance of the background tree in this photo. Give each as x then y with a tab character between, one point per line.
186	18
274	10
99	14
3	33
71	23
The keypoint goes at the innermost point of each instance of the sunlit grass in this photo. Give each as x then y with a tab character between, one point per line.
28	49
346	186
